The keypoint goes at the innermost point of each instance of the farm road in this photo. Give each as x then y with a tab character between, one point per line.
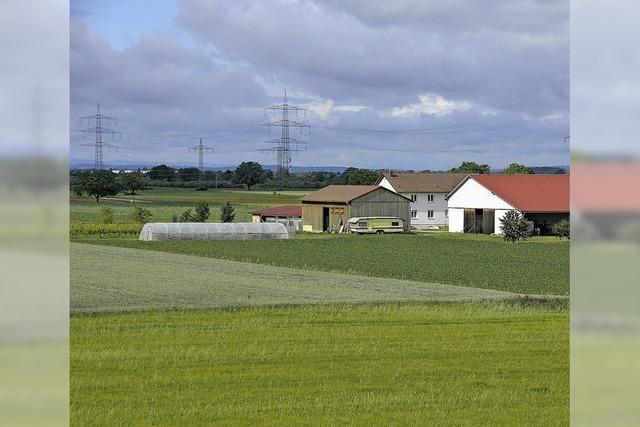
105	278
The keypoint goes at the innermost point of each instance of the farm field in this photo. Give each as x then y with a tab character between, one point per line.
389	364
538	266
148	279
164	202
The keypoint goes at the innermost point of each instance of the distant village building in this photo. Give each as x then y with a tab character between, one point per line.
478	203
427	192
289	215
330	208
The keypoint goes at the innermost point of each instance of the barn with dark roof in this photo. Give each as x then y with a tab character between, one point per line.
478	203
330	208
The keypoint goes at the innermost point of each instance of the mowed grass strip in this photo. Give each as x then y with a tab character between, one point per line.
387	364
114	279
540	266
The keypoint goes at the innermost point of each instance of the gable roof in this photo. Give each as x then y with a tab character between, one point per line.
423	182
343	193
286	210
605	187
527	193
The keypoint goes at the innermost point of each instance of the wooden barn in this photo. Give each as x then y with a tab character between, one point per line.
330	208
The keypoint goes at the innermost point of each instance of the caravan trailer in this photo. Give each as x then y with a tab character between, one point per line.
375	224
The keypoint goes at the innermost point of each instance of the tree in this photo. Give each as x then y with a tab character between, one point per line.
472	167
227	213
516	168
187	216
354	176
162	173
250	173
202	212
97	183
141	215
562	229
188	174
106	215
514	226
132	181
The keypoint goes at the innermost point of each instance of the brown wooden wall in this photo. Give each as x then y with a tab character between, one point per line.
382	202
312	215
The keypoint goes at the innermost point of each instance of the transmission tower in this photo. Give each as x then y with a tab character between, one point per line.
285	144
201	149
98	130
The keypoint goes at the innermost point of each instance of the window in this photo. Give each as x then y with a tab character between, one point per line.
446	213
429	197
430	214
395	223
414	197
362	223
414	214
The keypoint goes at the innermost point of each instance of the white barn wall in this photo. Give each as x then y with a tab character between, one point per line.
386	184
473	195
456	220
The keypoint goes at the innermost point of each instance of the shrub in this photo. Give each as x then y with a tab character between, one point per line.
106	215
187	216
141	215
174	218
514	226
227	213
562	229
103	230
202	212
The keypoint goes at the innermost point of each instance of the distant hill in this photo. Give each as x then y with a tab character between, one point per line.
294	169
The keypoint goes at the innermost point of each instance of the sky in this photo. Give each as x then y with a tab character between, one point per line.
400	85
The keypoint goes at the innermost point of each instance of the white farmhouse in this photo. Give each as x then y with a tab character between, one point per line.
427	192
478	203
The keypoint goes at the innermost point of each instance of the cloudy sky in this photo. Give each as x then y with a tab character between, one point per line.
403	84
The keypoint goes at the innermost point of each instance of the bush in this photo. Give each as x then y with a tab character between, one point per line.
174	218
514	226
227	213
103	230
106	215
187	216
202	212
561	229
141	215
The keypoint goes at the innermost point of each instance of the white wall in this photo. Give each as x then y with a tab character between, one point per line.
456	220
474	195
439	206
386	184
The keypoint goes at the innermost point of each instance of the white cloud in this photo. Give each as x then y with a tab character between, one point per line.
326	108
431	104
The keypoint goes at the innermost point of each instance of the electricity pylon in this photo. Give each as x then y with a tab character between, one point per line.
285	144
98	130
201	149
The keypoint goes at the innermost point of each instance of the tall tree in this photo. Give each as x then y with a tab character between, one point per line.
354	176
132	181
98	183
188	174
516	168
162	173
472	167
249	174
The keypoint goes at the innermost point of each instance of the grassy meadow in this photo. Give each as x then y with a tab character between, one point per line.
384	364
164	202
538	266
426	328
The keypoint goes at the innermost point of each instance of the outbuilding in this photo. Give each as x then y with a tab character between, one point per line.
479	202
330	208
289	215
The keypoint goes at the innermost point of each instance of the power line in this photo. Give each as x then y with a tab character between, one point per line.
283	145
98	130
201	149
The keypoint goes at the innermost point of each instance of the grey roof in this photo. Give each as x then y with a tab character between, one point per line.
424	182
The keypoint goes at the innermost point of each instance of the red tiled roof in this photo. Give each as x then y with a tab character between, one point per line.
605	187
530	193
284	211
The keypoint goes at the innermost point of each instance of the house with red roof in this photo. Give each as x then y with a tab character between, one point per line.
289	215
479	202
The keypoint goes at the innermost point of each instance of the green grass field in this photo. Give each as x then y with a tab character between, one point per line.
539	266
389	364
164	202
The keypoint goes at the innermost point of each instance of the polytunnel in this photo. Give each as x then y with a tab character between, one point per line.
213	231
